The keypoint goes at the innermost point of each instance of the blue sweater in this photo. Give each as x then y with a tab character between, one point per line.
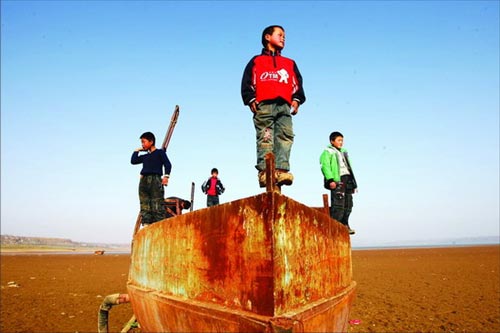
152	162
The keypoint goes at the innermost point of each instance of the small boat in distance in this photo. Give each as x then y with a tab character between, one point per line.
265	263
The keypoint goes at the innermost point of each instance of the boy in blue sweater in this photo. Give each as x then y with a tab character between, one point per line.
153	178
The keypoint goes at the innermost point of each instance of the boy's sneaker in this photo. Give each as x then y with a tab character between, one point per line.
284	177
262	178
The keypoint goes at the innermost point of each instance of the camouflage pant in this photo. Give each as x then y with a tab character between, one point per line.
274	131
151	197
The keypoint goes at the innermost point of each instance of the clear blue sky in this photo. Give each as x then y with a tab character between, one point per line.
413	86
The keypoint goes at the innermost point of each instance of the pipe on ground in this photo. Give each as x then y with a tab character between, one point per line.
108	302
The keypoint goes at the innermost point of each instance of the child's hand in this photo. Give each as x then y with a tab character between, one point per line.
294	108
164	180
333	185
139	149
253	106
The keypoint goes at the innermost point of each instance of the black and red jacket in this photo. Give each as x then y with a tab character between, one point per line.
270	77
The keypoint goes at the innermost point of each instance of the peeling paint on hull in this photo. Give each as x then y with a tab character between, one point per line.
261	264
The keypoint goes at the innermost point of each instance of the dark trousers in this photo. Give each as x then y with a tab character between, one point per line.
212	200
151	195
341	201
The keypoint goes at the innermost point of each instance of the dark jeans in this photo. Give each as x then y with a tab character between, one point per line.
151	194
212	200
341	202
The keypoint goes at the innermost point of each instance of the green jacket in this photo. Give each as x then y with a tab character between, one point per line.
330	165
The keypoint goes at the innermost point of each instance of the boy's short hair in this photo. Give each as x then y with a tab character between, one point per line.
334	135
214	170
269	31
148	136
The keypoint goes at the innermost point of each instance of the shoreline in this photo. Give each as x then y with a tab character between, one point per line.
428	246
37	250
62	251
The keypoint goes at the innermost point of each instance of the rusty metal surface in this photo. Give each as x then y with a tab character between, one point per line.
312	255
167	313
170	313
248	265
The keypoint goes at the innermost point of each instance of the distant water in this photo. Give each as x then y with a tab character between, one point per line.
40	253
425	245
448	242
398	247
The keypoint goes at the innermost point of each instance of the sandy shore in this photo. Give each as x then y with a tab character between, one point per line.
399	290
61	292
427	290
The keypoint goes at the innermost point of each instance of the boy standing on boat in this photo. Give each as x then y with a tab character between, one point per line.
153	178
213	187
272	88
339	179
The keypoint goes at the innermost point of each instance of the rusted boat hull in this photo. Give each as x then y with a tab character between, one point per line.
261	264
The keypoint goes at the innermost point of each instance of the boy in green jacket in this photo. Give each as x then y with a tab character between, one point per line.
339	179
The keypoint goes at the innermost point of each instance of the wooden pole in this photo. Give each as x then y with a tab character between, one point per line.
128	325
192	197
173	122
326	206
271	185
